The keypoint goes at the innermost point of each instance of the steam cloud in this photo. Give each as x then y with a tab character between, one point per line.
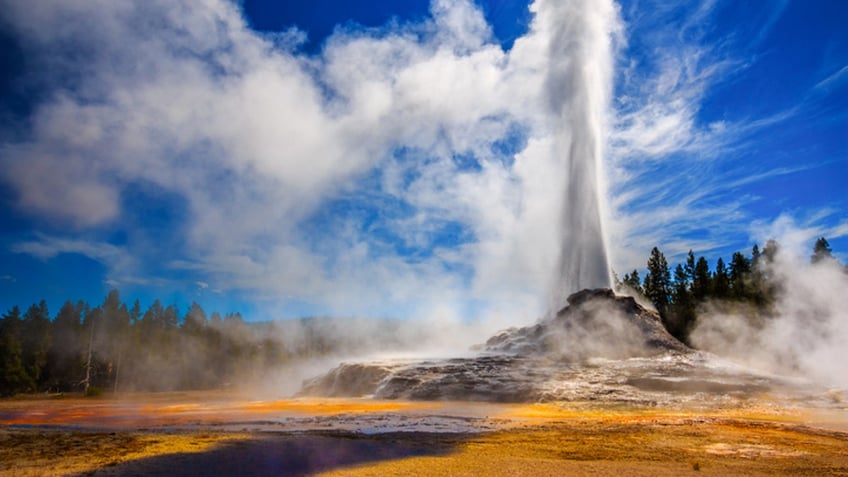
804	336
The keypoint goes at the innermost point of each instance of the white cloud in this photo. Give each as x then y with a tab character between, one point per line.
657	113
48	247
121	266
775	12
834	80
676	179
257	140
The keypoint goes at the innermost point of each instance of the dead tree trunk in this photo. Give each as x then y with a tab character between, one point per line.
118	370
87	380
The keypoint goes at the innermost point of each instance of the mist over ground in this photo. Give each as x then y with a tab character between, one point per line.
805	332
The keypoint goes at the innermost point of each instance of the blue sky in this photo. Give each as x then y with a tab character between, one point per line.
395	158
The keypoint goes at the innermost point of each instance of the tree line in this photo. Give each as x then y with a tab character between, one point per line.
115	347
746	282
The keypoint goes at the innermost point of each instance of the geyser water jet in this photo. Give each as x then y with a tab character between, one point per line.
578	88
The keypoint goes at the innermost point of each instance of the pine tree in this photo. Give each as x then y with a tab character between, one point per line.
682	306
740	276
821	251
657	285
633	281
115	336
689	267
135	312
153	317
194	333
701	280
755	256
194	321
36	334
66	353
770	251
13	376
759	286
721	281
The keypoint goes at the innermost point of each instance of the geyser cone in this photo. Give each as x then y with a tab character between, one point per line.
601	348
578	89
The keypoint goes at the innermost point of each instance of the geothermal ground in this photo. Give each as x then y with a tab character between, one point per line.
598	389
228	434
600	348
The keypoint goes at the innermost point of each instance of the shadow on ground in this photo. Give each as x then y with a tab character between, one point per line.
286	455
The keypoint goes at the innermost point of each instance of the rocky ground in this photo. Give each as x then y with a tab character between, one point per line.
601	347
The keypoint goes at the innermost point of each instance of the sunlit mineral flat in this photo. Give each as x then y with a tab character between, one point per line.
230	434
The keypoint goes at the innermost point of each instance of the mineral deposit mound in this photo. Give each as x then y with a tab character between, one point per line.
595	324
599	347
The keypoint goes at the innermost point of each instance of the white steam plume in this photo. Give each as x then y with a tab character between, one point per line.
805	335
578	89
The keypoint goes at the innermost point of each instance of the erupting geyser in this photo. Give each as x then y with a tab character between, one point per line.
593	346
521	364
578	89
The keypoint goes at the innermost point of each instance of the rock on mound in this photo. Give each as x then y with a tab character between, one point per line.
595	324
524	364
